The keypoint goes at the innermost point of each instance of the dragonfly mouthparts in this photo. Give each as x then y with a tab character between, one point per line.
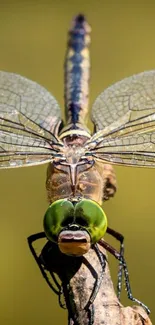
74	240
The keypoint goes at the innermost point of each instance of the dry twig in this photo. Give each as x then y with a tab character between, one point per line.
106	308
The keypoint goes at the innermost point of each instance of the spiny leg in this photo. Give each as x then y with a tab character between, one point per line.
102	259
32	239
121	258
91	315
120	238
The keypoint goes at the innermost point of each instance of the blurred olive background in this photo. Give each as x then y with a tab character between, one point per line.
32	43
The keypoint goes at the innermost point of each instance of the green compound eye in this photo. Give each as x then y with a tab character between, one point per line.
58	214
90	213
87	214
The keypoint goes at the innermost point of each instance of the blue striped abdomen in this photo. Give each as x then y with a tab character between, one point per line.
77	66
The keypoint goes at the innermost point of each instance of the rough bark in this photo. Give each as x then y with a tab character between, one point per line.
106	309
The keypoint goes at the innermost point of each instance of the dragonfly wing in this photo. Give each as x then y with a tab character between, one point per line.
124	116
18	150
29	117
127	107
136	150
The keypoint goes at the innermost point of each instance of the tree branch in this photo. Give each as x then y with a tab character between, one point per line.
79	276
106	309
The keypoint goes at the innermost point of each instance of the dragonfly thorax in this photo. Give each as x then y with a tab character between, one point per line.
77	176
73	154
73	164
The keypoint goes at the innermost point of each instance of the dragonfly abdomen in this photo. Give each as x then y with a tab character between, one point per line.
77	67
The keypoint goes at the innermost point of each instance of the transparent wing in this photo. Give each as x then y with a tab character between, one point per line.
124	116
127	107
137	150
29	119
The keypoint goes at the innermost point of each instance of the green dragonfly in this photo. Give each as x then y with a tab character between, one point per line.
79	175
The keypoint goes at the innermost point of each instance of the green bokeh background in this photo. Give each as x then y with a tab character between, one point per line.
33	41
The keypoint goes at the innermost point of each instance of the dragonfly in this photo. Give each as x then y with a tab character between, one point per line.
80	176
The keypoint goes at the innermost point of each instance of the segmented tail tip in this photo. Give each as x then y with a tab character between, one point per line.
80	22
80	18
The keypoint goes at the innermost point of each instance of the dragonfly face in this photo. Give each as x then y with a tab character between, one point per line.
75	225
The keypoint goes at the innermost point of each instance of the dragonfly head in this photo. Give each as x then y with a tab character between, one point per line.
75	226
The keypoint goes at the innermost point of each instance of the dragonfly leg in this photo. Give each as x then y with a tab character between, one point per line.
31	239
91	315
121	258
120	238
102	259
